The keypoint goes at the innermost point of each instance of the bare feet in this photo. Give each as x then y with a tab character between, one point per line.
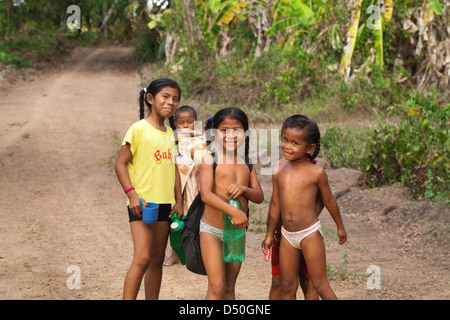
171	260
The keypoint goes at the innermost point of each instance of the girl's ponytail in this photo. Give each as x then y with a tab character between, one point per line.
172	122
313	156
142	102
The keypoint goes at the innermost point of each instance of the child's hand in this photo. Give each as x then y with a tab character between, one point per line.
235	190
342	234
135	205
267	244
178	208
240	219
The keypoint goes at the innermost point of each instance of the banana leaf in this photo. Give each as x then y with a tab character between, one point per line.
351	38
378	41
279	9
302	11
300	14
283	24
223	15
389	5
435	5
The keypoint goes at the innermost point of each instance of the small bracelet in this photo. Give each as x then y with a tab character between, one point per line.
128	190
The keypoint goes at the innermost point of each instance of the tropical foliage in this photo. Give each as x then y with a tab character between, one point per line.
413	152
329	59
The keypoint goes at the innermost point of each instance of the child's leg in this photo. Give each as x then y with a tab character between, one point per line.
231	274
153	275
171	258
289	264
275	288
142	237
212	255
313	249
305	281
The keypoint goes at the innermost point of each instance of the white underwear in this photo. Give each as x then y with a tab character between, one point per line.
295	238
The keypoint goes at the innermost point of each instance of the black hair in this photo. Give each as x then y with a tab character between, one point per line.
186	109
310	129
235	114
208	124
153	88
208	133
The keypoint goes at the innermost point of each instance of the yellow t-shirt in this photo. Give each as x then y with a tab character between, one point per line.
152	167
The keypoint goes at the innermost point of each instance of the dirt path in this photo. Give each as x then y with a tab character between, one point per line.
61	205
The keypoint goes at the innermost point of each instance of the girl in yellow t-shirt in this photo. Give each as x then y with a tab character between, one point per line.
145	168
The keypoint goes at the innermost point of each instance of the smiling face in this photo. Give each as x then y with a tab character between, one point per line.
165	102
294	145
231	134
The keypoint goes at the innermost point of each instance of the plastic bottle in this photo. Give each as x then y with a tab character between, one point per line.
233	237
176	240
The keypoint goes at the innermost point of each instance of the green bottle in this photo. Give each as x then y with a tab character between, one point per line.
233	237
176	240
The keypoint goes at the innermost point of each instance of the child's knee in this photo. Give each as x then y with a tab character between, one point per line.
276	282
218	288
320	284
289	286
157	256
141	262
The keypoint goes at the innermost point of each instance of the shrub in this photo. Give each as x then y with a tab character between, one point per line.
414	152
344	147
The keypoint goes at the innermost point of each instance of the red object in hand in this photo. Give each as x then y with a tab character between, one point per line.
267	253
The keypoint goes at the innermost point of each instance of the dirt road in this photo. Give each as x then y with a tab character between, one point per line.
62	211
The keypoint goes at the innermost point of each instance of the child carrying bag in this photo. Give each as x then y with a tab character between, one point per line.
191	230
191	236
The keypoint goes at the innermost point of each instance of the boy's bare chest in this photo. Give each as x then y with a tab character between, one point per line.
291	180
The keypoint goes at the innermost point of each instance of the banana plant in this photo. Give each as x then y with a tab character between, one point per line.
376	23
351	38
225	13
296	13
389	10
378	37
435	5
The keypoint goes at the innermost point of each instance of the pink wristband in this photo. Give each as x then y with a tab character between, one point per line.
128	190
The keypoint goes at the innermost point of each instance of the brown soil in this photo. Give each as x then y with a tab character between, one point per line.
61	204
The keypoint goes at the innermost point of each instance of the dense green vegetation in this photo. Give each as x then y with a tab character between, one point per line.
374	74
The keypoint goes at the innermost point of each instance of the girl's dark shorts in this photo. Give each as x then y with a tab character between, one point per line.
163	213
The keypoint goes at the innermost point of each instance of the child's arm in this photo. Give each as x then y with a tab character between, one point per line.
331	205
211	199
273	216
178	207
124	179
253	192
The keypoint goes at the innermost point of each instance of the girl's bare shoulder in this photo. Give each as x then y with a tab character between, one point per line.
207	159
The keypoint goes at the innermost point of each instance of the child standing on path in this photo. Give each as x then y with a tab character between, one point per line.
191	146
301	229
145	168
232	178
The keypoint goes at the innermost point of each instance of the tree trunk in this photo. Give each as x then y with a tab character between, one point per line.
106	16
351	39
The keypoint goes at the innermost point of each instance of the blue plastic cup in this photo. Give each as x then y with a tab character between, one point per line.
150	212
